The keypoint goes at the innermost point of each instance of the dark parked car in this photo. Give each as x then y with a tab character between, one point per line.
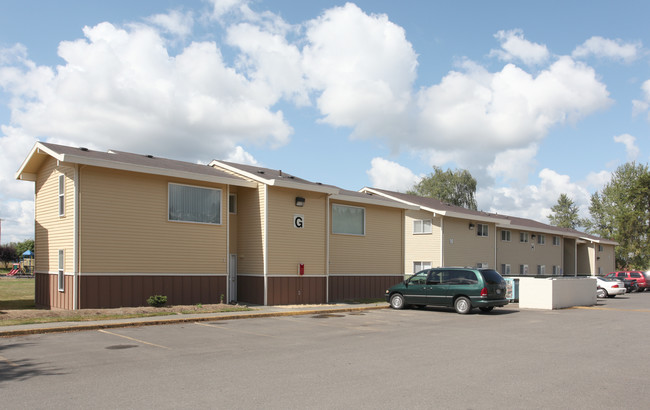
635	275
462	288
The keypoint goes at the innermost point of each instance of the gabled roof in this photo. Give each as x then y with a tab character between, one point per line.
125	161
512	222
437	207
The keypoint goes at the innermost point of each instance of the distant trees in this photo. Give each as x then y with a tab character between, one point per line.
13	251
455	187
565	213
621	212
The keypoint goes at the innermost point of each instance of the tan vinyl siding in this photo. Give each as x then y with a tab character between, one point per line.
531	253
379	251
607	261
125	228
463	247
250	235
288	245
53	232
421	247
233	224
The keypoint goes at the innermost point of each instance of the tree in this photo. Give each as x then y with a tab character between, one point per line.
8	254
26	245
621	211
457	187
565	213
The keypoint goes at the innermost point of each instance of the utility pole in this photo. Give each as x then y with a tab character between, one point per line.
0	231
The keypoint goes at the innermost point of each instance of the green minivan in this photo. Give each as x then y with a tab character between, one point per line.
462	288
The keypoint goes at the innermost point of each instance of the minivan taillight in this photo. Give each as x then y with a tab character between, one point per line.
484	292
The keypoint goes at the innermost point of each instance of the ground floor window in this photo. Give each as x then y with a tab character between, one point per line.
541	269
61	269
557	270
418	266
523	269
505	269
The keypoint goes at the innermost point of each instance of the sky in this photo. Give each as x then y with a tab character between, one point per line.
535	99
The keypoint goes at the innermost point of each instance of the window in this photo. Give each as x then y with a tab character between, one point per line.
194	204
61	268
556	241
523	269
556	270
232	203
482	265
505	236
600	248
421	226
523	237
541	269
541	239
61	195
481	229
460	277
349	220
420	278
505	268
418	266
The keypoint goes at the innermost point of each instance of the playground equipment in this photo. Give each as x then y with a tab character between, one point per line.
16	269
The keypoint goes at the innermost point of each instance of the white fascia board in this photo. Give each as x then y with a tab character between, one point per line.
372	201
599	241
478	218
536	230
75	159
305	187
238	171
36	149
411	205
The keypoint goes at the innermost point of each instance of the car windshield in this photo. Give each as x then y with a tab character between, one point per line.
492	277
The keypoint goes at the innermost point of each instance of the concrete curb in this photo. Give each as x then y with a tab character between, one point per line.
165	320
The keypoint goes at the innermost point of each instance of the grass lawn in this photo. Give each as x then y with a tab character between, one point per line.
16	294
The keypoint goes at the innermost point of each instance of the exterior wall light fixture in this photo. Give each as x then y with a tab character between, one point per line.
471	226
300	201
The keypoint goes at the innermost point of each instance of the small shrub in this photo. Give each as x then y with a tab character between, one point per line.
157	300
221	299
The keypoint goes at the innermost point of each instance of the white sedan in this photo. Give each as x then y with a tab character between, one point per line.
608	287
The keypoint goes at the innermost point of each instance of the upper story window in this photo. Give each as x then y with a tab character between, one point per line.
556	241
523	237
194	204
482	229
421	226
61	195
505	236
349	220
541	239
600	248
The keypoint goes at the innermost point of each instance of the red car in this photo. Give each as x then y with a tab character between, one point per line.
635	275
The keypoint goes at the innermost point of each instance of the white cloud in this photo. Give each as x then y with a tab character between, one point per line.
606	48
535	201
641	106
390	175
631	148
515	47
175	22
240	156
514	164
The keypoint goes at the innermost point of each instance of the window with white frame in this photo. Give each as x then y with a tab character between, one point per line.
232	203
541	239
505	236
60	273
556	270
422	226
61	195
523	269
541	269
556	241
194	204
523	237
600	248
482	265
505	269
482	229
348	220
420	266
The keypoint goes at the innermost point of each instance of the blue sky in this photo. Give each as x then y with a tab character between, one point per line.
535	99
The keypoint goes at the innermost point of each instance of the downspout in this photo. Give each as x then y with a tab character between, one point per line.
575	258
265	246
495	247
75	245
442	241
327	248
228	298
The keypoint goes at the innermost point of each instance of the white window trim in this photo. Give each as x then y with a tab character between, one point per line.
194	222
61	196
541	239
423	232
506	269
541	269
350	234
523	269
480	228
61	271
556	241
523	237
509	235
423	265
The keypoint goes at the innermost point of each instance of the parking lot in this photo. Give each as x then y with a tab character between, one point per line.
429	358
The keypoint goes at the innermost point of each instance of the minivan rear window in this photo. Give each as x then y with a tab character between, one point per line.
492	277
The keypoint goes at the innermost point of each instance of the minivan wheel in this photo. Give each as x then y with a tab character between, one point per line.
487	309
397	301
462	305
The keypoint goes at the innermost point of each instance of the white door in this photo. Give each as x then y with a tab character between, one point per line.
232	279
